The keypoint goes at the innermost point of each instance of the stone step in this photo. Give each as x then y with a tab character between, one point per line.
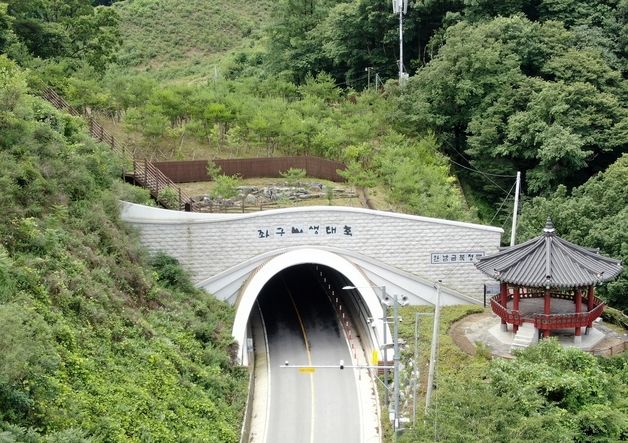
525	336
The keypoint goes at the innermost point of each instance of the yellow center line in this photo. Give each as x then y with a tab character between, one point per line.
309	360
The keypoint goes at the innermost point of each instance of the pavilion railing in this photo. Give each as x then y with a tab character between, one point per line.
548	321
510	316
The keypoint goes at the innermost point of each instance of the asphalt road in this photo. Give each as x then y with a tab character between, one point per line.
302	328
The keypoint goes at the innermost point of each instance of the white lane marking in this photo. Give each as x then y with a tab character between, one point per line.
268	397
309	357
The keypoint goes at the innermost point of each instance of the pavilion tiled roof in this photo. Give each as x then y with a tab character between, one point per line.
549	261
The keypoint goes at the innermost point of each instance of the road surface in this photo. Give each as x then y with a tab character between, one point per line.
302	328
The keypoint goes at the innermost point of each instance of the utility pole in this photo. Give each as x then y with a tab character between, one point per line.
385	321
401	7
513	232
396	356
432	367
368	76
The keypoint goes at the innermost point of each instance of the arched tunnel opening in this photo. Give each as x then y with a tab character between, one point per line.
303	316
309	297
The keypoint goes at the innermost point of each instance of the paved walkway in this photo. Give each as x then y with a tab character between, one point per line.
485	328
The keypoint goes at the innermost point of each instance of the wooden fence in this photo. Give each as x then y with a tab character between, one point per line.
196	170
145	174
609	351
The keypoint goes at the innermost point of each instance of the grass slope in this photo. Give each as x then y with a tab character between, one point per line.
98	343
185	38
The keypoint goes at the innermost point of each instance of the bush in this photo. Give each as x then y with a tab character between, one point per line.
170	273
169	197
226	186
615	316
293	176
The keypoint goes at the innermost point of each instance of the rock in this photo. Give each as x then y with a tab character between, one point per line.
250	200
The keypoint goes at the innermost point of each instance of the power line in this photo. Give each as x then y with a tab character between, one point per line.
474	169
502	205
476	243
482	172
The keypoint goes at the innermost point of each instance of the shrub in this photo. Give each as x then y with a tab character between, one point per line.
226	186
293	176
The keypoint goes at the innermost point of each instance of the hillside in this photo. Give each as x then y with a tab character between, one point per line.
185	39
99	342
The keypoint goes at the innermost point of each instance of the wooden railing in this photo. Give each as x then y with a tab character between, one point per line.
145	174
510	316
549	321
161	187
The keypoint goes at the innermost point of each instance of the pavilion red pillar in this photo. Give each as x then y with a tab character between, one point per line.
590	302
578	302
503	296
515	307
547	309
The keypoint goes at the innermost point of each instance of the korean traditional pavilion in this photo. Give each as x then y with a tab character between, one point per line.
549	282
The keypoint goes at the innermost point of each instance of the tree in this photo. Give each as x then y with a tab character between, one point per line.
149	120
291	46
225	186
293	176
6	27
546	394
213	170
67	28
418	178
502	96
594	214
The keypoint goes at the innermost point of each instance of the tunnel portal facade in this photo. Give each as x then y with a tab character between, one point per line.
234	255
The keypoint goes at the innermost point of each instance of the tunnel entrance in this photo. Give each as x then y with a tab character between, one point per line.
306	295
298	318
293	301
306	269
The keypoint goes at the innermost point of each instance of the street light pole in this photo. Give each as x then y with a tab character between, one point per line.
396	356
396	364
432	367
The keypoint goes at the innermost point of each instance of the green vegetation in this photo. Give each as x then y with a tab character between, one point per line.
546	394
512	94
99	343
173	39
293	176
71	31
102	343
274	116
225	186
